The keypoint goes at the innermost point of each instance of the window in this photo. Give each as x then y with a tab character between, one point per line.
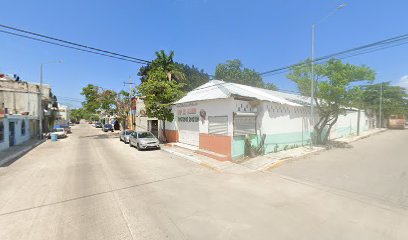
244	125
1	131
23	127
218	125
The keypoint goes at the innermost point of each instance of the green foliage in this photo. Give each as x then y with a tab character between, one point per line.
395	99
332	86
162	85
91	94
97	98
194	76
233	71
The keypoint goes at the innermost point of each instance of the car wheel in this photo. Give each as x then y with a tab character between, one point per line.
130	144
138	148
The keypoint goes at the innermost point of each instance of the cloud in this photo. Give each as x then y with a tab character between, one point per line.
404	82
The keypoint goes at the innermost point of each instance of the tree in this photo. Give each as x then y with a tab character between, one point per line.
333	92
394	100
162	85
92	98
233	71
107	100
194	76
123	106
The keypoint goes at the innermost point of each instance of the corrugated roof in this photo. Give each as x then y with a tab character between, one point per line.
216	89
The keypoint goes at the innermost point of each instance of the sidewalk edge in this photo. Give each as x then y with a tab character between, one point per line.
17	155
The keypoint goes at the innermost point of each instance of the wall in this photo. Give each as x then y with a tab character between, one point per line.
284	127
19	137
215	107
347	124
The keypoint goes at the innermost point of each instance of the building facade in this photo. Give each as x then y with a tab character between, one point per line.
218	118
20	109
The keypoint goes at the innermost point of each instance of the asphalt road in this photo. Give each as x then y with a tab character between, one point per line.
91	186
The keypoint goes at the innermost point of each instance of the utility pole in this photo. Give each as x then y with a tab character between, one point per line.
381	93
130	83
313	75
40	109
312	90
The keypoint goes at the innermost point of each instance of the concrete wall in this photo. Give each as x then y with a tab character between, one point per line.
284	127
19	136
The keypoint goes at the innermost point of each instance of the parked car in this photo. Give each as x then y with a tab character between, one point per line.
124	135
61	133
107	127
98	125
67	128
143	140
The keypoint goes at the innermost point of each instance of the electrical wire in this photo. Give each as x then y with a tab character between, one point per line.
372	47
75	44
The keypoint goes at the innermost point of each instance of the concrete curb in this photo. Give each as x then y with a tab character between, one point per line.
17	155
182	155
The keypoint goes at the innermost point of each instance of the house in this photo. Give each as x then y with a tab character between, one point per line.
19	110
217	117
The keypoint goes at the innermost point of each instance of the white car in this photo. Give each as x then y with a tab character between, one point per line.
143	140
61	133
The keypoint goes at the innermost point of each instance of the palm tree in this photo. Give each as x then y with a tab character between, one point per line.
165	61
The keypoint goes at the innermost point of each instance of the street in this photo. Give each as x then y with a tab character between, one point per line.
92	186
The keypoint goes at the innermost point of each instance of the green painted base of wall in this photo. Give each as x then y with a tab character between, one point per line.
282	141
273	142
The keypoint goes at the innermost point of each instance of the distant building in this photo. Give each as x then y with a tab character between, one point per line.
19	110
63	116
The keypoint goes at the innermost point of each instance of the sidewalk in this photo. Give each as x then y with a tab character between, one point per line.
189	153
9	155
259	163
267	161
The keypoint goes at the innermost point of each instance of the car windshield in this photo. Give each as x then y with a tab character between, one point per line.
108	126
128	132
59	130
145	135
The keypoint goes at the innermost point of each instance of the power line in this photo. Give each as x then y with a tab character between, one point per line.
364	49
78	46
66	46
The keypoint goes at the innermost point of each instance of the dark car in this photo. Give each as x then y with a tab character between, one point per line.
98	125
107	127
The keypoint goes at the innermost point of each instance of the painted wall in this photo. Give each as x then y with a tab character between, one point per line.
284	127
19	136
215	107
347	124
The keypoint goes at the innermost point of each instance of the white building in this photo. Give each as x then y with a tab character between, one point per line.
217	117
19	110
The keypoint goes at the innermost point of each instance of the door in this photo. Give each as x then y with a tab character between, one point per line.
12	133
154	127
189	130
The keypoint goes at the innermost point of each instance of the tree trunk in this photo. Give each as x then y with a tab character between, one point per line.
164	132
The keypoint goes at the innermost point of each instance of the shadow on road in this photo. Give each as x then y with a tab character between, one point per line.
102	136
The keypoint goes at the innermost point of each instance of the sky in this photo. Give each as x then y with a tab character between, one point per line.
264	35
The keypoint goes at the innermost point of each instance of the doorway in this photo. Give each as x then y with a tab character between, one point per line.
153	126
12	133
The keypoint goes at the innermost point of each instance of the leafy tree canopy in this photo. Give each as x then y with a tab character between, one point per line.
333	92
233	71
162	83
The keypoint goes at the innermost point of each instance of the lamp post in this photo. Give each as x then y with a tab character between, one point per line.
313	75
40	108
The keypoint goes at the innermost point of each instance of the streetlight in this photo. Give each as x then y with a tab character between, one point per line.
313	77
40	109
